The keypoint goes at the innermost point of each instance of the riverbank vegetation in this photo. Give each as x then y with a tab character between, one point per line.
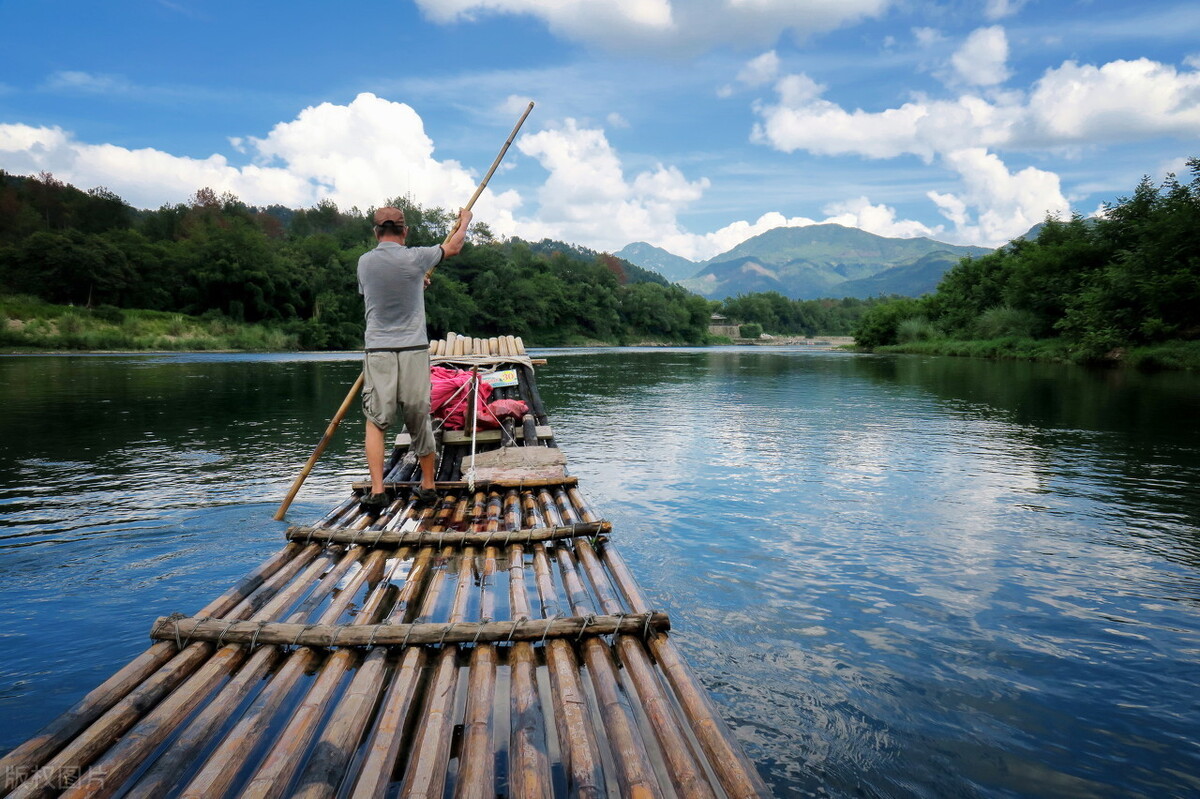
84	270
777	315
1121	287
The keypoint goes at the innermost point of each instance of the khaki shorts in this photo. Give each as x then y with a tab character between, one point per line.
398	383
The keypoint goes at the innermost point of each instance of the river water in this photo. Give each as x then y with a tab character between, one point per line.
898	576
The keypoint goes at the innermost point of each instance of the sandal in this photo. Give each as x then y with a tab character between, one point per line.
426	496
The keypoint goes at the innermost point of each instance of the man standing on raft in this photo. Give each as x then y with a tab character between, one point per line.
392	279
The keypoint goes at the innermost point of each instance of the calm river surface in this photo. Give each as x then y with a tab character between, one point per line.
898	576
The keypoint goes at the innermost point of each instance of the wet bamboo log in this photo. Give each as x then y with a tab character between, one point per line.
476	775
528	762
427	766
389	735
634	770
274	776
578	746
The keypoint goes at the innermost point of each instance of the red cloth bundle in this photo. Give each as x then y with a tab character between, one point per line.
449	393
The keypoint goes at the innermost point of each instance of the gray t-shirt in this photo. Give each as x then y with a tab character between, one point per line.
391	279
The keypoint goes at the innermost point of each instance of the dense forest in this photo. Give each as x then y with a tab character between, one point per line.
293	271
1129	277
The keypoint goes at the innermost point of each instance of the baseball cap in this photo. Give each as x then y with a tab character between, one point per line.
389	214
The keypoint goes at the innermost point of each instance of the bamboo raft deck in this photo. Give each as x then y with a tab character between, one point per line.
494	644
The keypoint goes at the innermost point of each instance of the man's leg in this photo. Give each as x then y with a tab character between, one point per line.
379	406
414	404
428	463
374	449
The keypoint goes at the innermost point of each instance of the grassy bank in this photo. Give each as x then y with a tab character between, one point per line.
27	323
1180	355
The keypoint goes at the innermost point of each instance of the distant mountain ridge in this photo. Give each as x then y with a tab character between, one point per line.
811	262
673	267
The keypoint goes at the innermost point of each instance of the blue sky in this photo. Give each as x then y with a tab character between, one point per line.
690	125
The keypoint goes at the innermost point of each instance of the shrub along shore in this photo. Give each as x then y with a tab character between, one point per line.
31	325
1173	355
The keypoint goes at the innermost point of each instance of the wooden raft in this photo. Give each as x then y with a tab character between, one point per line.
494	644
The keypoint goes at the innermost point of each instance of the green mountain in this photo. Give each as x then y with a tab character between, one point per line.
908	280
671	266
827	261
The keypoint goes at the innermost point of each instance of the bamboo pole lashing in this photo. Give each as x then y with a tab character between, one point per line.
167	628
461	484
391	538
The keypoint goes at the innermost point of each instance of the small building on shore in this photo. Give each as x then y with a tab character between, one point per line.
719	325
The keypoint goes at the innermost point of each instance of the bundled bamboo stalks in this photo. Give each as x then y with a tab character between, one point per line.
494	641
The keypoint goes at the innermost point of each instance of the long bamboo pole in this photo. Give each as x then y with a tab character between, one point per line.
491	171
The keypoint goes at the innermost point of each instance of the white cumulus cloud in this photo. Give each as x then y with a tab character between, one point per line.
1119	101
1071	106
359	154
982	60
588	199
878	219
996	205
